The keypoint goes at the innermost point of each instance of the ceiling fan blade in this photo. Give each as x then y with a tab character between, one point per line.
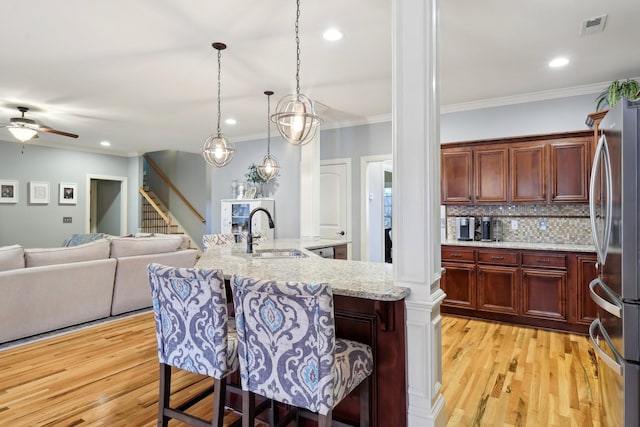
57	132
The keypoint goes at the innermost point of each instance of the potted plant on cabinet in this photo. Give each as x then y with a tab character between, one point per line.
617	90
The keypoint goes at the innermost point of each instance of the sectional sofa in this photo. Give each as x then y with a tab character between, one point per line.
44	289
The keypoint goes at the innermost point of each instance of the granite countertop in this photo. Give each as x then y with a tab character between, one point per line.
369	280
567	247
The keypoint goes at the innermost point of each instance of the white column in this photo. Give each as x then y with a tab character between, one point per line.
416	194
310	188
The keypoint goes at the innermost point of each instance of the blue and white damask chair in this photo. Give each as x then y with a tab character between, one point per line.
288	350
190	311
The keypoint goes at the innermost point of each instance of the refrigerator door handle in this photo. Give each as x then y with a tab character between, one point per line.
614	306
602	152
614	364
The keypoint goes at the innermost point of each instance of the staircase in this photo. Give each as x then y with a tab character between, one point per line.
156	218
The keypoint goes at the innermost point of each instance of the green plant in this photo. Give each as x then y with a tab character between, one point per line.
616	91
253	175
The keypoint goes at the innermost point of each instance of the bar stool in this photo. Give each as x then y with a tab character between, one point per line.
288	351
190	312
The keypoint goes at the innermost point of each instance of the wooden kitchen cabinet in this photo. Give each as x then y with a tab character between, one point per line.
459	280
544	294
498	289
456	175
528	173
586	309
570	170
340	252
549	168
490	174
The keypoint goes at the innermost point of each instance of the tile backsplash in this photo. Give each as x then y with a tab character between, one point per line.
564	223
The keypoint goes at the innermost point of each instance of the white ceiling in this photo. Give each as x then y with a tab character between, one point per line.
142	74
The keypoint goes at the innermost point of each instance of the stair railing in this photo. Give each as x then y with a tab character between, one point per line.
158	214
166	179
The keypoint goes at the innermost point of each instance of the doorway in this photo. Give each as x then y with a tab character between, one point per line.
335	199
106	204
376	201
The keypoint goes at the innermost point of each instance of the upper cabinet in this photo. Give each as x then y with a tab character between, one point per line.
551	168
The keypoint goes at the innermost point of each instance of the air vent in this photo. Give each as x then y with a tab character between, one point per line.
593	25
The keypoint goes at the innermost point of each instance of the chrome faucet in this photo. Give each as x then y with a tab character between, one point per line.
249	235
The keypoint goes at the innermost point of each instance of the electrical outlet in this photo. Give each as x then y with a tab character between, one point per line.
514	224
66	220
542	224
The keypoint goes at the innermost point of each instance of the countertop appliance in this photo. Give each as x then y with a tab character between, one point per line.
485	229
465	227
614	200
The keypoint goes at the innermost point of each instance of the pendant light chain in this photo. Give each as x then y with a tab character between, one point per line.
297	48
268	125
219	56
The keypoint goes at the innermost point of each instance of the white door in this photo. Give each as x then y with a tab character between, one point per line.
335	198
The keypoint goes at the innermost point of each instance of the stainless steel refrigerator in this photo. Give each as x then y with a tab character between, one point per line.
614	199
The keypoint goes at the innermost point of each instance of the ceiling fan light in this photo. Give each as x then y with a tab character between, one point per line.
296	119
22	133
268	168
217	150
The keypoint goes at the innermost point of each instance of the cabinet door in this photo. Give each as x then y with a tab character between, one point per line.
459	283
498	289
586	308
528	173
456	173
490	174
570	168
544	294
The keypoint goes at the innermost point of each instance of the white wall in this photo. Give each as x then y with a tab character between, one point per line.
374	202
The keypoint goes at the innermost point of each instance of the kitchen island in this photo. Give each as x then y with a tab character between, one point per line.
368	309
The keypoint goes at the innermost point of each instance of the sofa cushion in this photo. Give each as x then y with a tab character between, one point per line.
11	257
131	246
81	239
37	257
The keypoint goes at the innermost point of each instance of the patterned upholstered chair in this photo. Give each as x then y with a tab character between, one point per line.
288	350
190	311
211	240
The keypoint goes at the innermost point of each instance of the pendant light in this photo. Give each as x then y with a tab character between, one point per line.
268	168
295	117
217	150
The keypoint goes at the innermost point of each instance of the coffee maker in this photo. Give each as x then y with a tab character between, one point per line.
485	229
465	227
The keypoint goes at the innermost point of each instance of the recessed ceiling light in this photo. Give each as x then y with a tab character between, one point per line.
558	62
230	121
105	144
332	34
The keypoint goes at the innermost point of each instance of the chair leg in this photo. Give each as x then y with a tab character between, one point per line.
325	420
164	394
248	409
219	398
364	402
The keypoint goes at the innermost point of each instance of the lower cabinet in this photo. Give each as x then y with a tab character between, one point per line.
498	289
527	287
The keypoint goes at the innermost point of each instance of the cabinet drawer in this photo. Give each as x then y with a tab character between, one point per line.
544	260
498	258
458	254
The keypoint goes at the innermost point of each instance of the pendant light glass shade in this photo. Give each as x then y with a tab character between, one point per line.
218	150
295	116
268	168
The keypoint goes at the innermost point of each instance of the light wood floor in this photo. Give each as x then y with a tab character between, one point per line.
106	375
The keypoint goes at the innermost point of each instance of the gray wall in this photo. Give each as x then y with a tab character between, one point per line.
285	190
187	172
41	225
555	115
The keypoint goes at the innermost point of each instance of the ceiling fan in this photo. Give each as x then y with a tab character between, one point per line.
24	129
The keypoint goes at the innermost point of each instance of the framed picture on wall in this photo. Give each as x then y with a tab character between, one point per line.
38	193
68	193
250	193
8	191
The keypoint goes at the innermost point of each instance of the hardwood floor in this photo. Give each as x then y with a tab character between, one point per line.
502	375
107	375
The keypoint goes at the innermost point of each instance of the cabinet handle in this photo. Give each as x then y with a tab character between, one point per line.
456	255
544	260
499	258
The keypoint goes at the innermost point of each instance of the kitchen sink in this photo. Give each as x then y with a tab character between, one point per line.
278	253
